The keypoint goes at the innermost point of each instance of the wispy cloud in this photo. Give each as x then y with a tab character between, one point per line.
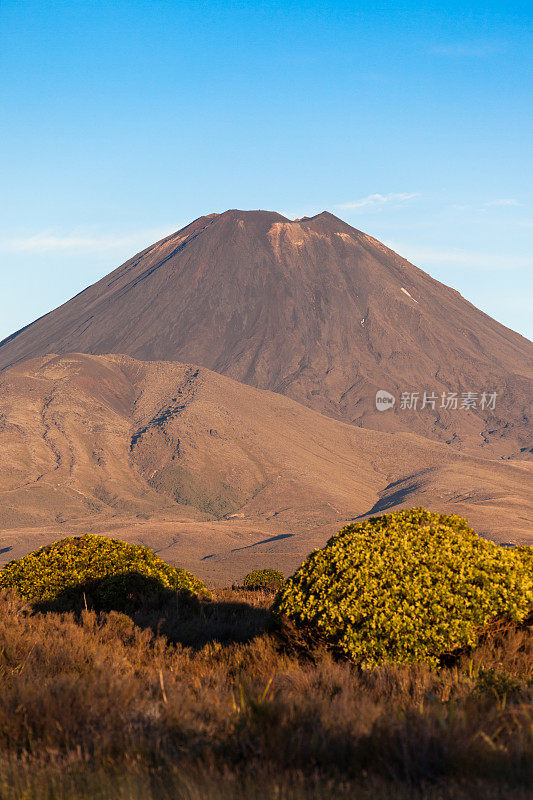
377	200
468	49
461	258
503	201
50	242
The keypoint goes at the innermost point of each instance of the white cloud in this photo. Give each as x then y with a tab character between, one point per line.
374	200
48	242
503	201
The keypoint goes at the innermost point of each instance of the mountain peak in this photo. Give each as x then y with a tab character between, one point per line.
326	221
236	214
311	308
325	216
251	215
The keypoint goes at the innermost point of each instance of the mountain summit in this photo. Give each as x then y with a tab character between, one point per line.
311	308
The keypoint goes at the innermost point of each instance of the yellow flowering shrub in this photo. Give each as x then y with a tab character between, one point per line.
406	587
113	573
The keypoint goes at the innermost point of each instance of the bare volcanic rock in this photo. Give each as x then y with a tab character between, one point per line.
313	309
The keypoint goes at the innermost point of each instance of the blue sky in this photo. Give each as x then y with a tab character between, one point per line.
122	121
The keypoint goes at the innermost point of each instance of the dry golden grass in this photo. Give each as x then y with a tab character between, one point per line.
201	699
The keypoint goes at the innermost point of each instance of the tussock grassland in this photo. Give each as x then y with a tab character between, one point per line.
205	699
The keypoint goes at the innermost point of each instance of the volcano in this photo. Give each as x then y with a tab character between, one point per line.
312	309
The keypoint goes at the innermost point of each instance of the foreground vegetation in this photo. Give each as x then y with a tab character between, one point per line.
407	587
107	574
206	698
396	662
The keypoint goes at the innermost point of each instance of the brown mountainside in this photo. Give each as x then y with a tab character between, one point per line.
312	309
216	475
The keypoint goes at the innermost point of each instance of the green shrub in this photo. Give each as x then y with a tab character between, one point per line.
112	574
264	579
404	587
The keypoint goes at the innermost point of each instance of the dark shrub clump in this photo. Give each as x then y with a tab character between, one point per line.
270	579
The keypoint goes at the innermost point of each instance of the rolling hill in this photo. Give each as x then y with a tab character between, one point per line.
216	475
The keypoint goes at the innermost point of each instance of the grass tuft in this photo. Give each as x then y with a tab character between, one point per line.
206	698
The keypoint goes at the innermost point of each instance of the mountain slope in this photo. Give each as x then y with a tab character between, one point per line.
219	475
310	308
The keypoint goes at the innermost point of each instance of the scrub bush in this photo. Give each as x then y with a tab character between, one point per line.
406	587
112	574
264	579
